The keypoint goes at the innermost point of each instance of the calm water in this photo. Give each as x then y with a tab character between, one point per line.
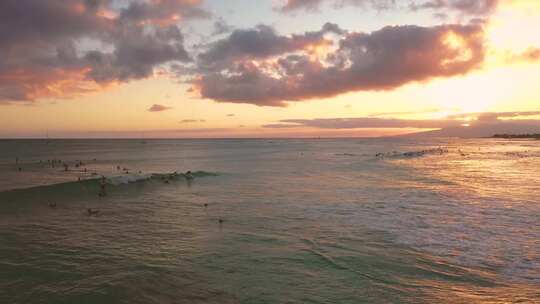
304	221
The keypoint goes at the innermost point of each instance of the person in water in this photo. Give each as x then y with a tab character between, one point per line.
92	212
189	175
102	187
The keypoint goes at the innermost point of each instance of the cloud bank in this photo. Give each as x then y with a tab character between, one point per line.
470	124
59	49
263	68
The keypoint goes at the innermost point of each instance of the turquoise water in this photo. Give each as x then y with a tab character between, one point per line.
302	221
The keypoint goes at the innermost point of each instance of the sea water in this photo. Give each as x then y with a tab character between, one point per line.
270	221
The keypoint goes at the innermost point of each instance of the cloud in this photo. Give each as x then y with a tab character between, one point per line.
405	113
292	5
314	5
493	116
364	122
530	55
189	121
441	7
61	49
158	108
263	68
162	12
467	7
258	43
221	27
465	125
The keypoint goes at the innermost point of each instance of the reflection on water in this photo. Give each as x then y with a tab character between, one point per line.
303	221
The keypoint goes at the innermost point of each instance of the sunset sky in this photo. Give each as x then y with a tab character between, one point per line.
267	68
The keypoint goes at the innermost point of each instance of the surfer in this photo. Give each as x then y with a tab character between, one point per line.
102	186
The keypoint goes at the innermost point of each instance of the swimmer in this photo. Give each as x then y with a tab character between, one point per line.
189	175
92	212
52	205
221	221
205	205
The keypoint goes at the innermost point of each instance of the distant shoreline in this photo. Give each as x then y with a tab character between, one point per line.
519	136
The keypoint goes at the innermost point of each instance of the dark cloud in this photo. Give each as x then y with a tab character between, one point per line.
162	12
381	60
259	42
292	5
158	108
221	27
59	49
136	54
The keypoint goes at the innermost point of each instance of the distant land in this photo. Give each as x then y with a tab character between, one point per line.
484	130
510	136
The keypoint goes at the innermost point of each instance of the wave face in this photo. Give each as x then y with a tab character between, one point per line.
90	186
299	221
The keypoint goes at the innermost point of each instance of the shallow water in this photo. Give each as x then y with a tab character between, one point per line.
304	221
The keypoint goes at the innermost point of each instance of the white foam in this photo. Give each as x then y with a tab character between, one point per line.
127	178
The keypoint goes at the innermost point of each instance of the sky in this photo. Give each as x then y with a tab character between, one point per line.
268	68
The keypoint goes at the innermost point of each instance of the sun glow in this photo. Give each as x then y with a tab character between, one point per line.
512	30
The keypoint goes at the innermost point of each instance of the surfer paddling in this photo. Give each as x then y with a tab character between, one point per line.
92	212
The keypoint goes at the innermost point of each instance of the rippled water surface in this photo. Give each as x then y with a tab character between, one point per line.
270	221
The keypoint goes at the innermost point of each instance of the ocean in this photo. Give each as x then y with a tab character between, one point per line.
392	220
